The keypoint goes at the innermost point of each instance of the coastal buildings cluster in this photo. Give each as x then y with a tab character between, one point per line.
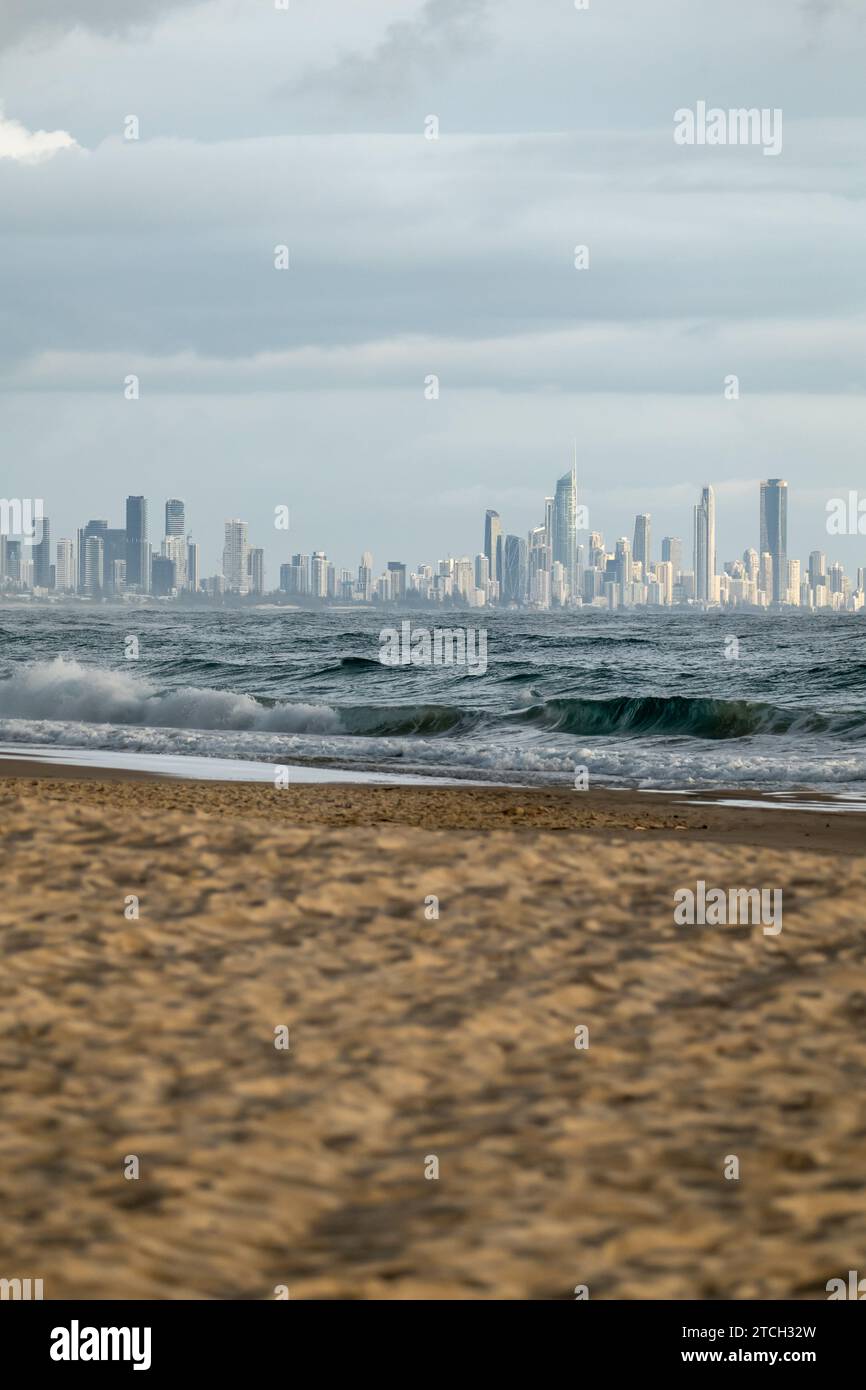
560	563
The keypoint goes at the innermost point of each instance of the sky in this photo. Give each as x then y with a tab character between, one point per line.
409	258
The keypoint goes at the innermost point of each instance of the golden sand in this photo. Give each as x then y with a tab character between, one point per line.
411	1038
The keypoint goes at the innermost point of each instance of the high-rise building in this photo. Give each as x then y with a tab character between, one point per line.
174	548
137	545
163	579
364	586
13	561
665	579
774	532
235	573
622	565
766	576
42	557
96	528
94	566
319	574
642	542
115	552
301	576
175	523
193	566
514	570
538	563
752	564
817	570
493	544
704	546
672	552
256	569
482	573
398	583
564	526
64	579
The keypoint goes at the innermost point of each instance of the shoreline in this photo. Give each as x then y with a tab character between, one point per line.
792	821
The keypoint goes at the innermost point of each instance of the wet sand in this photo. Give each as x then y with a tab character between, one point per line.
596	811
413	1037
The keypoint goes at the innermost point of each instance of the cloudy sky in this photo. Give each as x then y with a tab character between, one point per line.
409	257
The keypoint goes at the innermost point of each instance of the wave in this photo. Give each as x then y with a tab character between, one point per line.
349	663
691	716
64	690
69	691
400	721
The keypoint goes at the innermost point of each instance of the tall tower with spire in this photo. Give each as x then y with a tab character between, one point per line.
565	522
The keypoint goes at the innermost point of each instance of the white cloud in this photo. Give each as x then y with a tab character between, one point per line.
31	146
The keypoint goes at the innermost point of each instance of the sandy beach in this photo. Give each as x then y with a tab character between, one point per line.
413	1037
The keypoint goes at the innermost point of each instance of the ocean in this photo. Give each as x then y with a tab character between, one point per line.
638	699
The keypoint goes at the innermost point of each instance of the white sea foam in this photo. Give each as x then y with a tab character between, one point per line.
70	691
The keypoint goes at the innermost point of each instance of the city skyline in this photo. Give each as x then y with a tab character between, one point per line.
564	561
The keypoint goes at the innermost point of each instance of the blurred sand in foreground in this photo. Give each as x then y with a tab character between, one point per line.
412	1037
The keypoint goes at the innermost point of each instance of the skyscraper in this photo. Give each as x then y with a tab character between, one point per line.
115	552
564	538
493	544
137	547
256	569
774	532
193	566
94	566
364	587
817	570
319	574
163	579
65	570
96	528
704	549
174	548
665	577
514	570
672	551
622	566
398	583
42	557
235	573
642	541
175	524
300	578
13	560
548	525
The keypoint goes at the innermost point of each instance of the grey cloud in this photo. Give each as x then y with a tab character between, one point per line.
386	244
47	19
671	358
443	31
